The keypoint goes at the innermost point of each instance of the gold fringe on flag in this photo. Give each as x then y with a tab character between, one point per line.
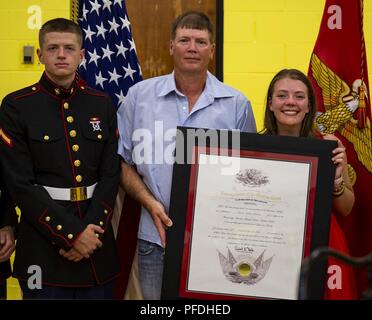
74	10
361	111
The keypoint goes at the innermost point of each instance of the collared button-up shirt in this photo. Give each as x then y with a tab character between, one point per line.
147	122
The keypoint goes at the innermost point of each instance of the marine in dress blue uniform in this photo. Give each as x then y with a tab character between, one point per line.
59	145
64	140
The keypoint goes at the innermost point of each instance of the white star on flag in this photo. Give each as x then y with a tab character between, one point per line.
100	80
118	2
129	71
83	63
121	49
93	57
89	33
114	25
132	45
114	76
120	97
125	23
85	11
101	30
107	52
95	6
107	5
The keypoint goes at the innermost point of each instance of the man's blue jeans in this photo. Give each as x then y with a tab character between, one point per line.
150	268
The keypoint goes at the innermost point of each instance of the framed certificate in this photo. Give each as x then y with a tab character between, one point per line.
247	209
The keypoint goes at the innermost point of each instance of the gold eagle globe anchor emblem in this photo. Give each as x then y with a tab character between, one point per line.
344	111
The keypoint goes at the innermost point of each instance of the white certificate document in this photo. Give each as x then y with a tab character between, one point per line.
248	227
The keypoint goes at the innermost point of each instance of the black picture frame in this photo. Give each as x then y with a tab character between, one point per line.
186	141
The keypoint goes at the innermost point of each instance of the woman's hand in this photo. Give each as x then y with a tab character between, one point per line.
339	155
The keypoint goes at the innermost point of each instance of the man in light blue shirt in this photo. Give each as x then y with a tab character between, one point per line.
147	121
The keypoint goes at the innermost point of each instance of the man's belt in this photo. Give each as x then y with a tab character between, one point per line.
71	194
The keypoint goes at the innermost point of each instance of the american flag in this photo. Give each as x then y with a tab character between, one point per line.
111	65
110	62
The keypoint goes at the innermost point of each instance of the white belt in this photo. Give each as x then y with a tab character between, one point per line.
71	194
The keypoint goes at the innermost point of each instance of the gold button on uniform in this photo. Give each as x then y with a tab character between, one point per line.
47	219
72	133
33	88
79	178
105	211
82	87
77	163
97	235
101	223
70	119
46	138
75	147
99	136
66	105
59	227
70	236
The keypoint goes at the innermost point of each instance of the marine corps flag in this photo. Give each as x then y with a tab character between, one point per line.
338	71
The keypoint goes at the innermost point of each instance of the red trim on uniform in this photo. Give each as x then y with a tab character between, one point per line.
63	89
106	225
28	93
79	210
94	93
109	214
8	141
109	279
51	229
49	93
68	147
92	264
57	97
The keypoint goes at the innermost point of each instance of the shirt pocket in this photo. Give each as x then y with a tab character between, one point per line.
47	147
95	139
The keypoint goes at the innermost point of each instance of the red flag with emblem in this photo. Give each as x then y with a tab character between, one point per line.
338	71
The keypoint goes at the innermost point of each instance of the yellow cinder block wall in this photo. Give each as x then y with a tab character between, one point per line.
260	38
18	27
